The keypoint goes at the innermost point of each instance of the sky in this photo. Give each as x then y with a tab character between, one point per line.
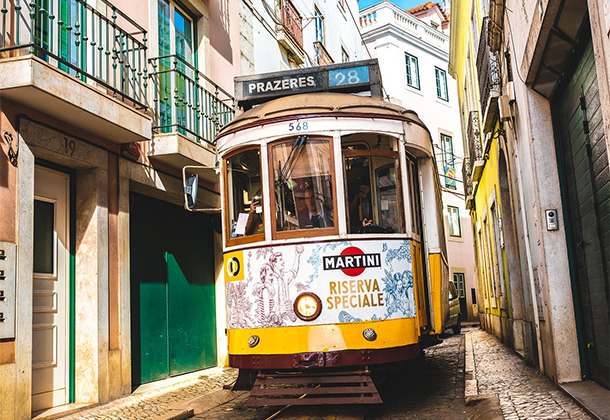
403	4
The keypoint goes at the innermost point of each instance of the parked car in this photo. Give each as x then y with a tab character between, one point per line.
455	316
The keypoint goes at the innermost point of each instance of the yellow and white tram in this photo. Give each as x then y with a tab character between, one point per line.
334	251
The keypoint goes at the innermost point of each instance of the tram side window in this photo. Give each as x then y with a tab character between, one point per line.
303	184
373	192
244	198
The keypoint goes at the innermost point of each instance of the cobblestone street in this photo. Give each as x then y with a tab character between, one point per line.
434	392
523	393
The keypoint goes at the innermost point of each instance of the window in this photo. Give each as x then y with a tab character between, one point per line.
344	55
373	201
319	19
176	38
412	71
244	197
448	161
303	184
455	229
458	280
441	84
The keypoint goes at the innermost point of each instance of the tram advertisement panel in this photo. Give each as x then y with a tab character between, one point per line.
354	281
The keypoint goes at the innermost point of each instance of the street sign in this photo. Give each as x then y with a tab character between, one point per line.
352	77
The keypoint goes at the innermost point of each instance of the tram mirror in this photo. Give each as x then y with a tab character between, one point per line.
190	191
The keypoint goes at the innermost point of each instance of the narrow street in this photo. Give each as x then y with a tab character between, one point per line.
506	388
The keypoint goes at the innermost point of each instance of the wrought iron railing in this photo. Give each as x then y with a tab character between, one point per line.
488	67
188	102
467	177
100	46
292	21
475	148
322	56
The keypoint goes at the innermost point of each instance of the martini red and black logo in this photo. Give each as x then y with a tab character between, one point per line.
352	261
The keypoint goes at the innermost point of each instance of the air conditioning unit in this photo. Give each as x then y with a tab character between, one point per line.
504	108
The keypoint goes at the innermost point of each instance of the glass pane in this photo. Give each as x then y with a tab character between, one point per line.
372	196
245	210
303	184
184	36
44	228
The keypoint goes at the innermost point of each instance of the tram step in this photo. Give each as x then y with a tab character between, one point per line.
355	387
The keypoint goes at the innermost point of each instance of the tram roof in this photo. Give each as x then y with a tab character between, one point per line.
322	103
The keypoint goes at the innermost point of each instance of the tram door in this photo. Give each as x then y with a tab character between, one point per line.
584	161
172	290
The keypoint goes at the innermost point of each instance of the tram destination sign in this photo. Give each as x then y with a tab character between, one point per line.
358	76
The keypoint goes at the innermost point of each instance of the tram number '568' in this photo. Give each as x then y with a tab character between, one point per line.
298	126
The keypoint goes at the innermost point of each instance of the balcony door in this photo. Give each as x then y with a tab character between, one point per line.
177	64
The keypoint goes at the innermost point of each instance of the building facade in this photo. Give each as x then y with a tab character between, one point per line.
533	83
106	281
413	52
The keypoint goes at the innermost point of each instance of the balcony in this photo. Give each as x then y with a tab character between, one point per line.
81	65
475	161
323	58
385	14
189	110
289	32
468	185
490	79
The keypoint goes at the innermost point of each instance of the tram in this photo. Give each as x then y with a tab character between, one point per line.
334	250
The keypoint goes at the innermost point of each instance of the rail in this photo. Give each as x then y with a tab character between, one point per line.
188	102
384	13
100	46
292	21
475	147
488	67
322	56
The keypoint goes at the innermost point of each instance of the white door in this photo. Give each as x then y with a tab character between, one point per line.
50	301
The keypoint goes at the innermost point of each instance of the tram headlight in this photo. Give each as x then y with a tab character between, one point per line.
307	306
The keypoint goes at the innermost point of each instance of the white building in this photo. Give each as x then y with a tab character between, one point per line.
306	32
413	52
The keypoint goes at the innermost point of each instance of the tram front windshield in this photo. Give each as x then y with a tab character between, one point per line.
303	181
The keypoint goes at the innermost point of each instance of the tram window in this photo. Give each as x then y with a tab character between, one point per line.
244	198
303	184
374	202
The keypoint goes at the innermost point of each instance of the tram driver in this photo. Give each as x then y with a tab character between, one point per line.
314	215
255	219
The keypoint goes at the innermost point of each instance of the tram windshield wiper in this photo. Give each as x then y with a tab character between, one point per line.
284	172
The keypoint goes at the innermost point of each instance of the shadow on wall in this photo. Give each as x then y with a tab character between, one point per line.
220	28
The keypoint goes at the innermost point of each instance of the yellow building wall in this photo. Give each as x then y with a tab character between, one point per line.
488	189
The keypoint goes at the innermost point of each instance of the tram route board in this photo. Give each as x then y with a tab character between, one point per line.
352	77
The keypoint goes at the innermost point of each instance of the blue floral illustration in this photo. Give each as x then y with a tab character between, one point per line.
401	253
344	316
315	260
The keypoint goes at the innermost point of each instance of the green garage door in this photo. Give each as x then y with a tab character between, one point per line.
173	314
586	192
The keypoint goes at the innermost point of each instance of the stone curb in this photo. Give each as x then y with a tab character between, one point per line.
471	386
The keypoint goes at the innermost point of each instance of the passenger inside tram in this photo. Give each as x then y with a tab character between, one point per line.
255	215
372	199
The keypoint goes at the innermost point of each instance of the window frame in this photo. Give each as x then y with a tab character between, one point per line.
301	233
257	237
441	89
319	25
399	187
459	226
409	73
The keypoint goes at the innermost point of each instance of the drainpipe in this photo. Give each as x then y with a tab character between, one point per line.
530	269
